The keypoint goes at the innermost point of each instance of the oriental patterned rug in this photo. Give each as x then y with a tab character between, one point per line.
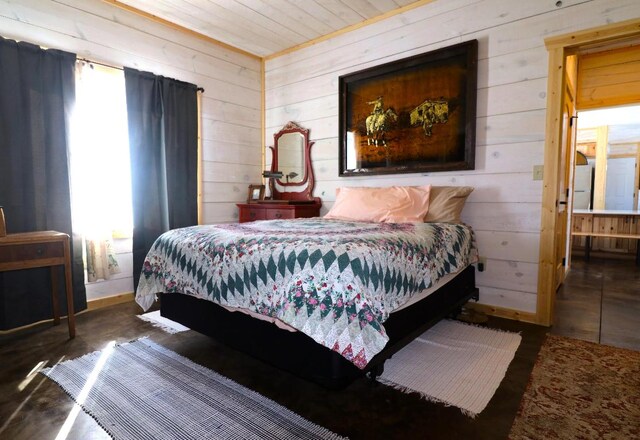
580	390
140	390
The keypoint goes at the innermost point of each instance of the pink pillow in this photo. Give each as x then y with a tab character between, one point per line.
395	204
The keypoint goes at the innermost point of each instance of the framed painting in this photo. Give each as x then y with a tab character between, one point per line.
255	194
414	115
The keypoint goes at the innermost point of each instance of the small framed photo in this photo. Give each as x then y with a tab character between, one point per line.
256	193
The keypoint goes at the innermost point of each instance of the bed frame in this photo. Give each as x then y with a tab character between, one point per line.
301	355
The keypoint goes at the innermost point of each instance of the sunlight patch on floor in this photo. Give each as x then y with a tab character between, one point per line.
31	375
91	380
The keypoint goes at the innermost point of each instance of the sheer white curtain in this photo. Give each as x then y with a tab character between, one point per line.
100	170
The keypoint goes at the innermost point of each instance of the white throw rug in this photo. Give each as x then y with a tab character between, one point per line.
453	363
165	324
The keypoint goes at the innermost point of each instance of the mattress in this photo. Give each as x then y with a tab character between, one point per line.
417	297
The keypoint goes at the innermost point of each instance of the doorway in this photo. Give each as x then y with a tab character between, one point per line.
561	49
606	178
598	300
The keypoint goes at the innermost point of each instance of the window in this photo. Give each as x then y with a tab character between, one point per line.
99	169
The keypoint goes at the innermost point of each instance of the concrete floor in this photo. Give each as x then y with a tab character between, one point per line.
600	302
36	408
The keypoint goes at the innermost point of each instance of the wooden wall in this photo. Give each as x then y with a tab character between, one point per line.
610	78
231	102
505	208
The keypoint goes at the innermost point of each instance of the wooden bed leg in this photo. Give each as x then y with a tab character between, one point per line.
455	313
375	372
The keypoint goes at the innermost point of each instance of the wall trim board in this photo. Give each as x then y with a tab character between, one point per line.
350	28
559	47
593	36
553	147
503	312
106	301
177	27
199	165
39	323
263	116
91	305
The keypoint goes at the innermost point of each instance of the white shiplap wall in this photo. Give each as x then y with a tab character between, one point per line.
505	207
231	102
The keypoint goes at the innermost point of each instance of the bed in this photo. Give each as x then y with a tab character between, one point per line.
328	300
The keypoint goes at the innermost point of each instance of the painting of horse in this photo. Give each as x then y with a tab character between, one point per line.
377	125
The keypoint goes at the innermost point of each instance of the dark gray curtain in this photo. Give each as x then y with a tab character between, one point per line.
163	138
37	93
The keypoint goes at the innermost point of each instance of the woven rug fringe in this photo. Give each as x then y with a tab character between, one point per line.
424	396
484	327
160	325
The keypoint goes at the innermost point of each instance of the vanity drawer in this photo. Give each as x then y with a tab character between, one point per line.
277	214
35	251
251	214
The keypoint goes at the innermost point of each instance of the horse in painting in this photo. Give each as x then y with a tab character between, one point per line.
378	122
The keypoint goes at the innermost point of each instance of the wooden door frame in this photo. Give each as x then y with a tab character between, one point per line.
636	179
559	47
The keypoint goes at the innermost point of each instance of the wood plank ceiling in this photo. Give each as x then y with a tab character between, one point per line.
267	27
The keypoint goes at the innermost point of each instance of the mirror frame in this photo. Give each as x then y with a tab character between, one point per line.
308	181
301	141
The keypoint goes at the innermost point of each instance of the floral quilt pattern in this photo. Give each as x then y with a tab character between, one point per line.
335	281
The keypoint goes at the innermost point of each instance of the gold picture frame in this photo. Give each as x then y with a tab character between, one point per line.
255	193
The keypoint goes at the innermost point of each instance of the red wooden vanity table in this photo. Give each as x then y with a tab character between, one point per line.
292	160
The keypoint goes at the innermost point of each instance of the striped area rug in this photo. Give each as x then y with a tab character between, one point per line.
453	363
140	390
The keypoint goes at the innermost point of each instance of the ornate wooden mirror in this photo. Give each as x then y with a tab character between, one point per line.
291	157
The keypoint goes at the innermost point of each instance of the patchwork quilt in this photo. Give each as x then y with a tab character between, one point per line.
335	281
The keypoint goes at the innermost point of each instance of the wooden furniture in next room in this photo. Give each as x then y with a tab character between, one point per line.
29	250
617	230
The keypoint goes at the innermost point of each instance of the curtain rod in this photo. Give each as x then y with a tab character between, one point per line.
199	89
